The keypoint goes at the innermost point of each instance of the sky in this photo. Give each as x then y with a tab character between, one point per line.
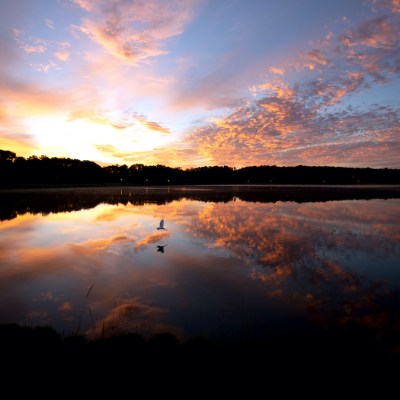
189	83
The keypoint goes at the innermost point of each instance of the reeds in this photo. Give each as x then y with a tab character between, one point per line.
83	310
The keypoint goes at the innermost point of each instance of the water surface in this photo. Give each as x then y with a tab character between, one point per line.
234	263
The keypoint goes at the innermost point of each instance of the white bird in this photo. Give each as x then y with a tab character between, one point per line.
161	225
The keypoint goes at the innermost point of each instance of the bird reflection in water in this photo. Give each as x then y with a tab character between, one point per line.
160	248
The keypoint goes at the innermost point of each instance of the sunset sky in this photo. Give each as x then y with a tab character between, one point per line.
202	82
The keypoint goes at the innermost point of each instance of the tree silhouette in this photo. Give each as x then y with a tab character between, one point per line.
45	170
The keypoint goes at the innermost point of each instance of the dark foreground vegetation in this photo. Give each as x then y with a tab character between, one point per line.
310	365
355	343
56	171
288	361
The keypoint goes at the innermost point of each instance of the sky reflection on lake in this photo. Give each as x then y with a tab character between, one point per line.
228	269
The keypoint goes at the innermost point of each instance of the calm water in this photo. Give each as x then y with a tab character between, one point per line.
236	262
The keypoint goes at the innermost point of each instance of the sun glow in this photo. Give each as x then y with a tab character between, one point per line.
92	140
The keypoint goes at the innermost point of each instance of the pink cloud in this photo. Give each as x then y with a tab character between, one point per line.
392	5
36	45
87	5
395	4
33	49
329	92
135	30
26	99
49	23
45	67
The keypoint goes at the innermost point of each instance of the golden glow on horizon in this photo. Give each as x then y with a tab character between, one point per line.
20	148
57	135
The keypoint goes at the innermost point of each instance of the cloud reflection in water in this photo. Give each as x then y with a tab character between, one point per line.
228	264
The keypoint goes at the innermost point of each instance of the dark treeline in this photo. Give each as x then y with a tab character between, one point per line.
45	170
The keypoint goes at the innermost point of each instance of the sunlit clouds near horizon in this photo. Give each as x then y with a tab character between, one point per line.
198	82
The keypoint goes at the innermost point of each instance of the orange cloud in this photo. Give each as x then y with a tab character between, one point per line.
111	214
379	32
98	118
288	133
150	239
94	246
315	57
276	70
135	316
62	55
65	307
277	88
181	154
290	121
154	126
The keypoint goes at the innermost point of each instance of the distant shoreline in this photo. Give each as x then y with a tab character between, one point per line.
19	186
45	198
67	172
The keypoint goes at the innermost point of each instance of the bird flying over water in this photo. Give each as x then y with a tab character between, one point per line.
161	225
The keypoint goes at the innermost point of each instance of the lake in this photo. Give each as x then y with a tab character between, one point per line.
233	263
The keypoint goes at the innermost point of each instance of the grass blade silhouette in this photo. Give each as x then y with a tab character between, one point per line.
83	309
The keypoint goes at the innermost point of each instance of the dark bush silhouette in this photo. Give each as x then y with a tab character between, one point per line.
314	344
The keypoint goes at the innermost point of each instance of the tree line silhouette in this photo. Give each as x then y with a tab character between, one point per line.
45	170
